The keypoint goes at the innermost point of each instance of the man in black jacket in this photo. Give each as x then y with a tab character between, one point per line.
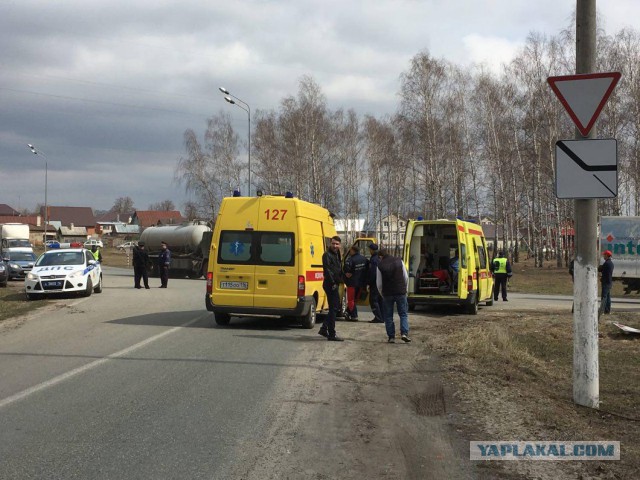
140	264
355	280
332	269
392	281
606	270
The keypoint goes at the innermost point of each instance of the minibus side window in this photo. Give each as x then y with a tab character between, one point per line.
276	248
463	255
483	257
235	247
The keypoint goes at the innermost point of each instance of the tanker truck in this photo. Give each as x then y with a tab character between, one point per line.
189	244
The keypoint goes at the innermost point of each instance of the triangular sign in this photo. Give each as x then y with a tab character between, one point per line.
584	96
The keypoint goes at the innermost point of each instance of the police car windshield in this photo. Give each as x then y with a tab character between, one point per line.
60	258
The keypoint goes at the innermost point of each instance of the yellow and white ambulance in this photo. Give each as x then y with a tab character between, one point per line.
266	258
448	264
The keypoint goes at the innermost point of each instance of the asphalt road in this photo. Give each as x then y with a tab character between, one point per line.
141	384
136	384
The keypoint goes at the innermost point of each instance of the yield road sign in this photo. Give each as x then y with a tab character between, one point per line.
587	168
584	96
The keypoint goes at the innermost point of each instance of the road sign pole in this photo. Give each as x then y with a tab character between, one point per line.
586	381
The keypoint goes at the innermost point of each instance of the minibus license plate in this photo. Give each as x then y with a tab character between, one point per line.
235	285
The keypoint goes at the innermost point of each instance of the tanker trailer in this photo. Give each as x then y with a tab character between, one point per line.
189	244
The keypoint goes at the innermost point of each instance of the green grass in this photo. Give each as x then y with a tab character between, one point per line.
13	301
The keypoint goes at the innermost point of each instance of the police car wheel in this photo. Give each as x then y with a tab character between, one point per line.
98	288
31	296
489	303
89	290
309	320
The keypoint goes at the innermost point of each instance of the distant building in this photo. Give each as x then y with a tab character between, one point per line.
154	218
7	211
73	217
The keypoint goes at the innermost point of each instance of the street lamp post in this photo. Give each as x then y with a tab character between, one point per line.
46	175
229	99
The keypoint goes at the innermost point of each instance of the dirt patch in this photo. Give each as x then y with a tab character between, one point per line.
367	409
362	409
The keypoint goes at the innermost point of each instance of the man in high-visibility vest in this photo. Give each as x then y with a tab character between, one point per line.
501	269
97	255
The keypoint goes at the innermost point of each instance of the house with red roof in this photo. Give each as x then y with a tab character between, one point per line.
154	218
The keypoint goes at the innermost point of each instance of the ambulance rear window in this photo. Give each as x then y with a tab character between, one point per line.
235	247
276	248
256	248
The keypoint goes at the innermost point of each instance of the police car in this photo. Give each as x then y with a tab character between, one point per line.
72	270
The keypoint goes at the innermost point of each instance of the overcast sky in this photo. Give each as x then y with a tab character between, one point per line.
106	88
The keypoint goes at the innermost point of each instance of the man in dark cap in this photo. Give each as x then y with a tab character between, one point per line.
140	265
501	269
606	279
164	261
375	299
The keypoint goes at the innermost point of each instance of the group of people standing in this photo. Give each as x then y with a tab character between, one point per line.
141	264
383	275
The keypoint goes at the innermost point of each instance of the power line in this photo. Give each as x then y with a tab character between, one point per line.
103	102
111	85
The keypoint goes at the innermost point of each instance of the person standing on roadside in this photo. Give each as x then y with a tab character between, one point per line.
164	261
393	281
332	270
375	299
97	255
501	269
140	265
355	279
606	279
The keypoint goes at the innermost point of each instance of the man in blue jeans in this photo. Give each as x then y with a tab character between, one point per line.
392	281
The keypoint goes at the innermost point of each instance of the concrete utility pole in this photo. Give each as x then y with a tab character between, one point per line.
586	381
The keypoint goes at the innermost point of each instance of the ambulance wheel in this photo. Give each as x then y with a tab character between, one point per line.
89	290
472	308
222	318
309	320
98	288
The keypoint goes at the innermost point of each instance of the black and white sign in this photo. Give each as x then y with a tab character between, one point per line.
587	168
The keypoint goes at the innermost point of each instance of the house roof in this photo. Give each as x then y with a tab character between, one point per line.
78	216
150	218
126	229
7	210
28	219
73	232
115	217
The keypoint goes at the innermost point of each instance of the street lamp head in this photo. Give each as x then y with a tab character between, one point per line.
33	149
224	90
228	99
